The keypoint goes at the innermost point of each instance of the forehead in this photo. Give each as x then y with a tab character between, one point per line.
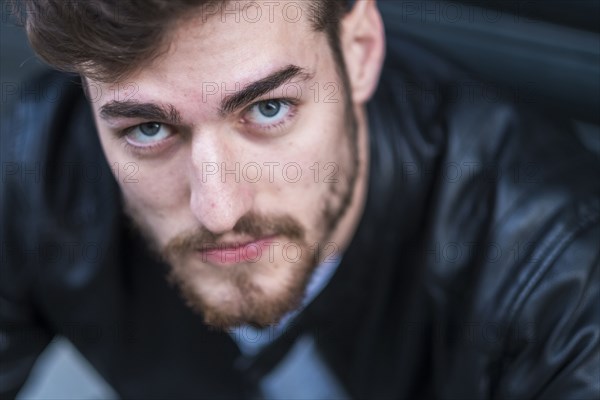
229	44
223	37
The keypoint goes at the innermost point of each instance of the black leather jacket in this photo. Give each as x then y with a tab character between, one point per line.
474	272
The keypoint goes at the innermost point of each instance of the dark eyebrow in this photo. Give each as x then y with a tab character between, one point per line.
134	109
258	88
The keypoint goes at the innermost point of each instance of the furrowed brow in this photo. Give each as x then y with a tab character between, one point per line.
146	111
258	88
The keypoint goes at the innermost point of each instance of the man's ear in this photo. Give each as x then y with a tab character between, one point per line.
363	44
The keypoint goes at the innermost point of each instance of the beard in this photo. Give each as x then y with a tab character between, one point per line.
259	292
237	294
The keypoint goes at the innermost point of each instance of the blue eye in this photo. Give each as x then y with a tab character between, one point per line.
148	133
269	109
150	128
269	112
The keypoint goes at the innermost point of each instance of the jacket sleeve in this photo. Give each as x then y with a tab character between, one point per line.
559	355
23	335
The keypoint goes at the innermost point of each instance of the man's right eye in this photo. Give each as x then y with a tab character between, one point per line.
147	139
147	134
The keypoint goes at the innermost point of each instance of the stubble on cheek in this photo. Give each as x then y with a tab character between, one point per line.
340	191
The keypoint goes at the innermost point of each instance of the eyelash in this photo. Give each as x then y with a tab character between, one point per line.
148	150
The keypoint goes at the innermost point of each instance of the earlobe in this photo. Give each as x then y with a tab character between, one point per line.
363	43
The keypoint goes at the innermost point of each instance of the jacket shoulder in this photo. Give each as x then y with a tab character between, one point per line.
56	181
517	220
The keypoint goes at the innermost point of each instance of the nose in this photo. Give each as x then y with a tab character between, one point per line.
219	195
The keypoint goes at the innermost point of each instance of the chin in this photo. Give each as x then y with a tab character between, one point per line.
258	293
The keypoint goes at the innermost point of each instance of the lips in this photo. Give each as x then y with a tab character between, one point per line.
226	254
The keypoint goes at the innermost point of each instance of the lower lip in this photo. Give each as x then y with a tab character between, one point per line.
248	253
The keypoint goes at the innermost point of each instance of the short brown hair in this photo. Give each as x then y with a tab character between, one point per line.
107	39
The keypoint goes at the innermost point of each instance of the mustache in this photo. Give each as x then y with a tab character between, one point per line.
254	225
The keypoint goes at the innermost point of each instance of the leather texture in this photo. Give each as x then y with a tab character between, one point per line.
474	272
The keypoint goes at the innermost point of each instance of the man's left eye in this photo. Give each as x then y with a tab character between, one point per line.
268	112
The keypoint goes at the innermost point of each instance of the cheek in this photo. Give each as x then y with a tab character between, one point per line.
312	161
326	149
156	190
151	186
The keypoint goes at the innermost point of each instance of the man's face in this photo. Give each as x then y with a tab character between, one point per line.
237	157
